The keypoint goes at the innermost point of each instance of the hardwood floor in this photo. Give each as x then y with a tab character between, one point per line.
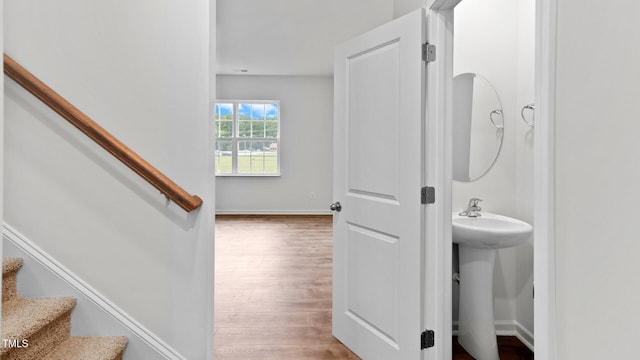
510	348
273	290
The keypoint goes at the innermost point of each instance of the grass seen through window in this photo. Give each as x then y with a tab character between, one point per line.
255	162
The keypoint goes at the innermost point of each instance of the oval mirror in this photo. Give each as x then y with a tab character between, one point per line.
478	126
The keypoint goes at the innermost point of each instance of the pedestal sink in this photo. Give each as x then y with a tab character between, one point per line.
478	239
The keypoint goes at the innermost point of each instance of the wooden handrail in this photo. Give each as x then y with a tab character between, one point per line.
90	128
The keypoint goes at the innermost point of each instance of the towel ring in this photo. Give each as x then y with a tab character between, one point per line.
531	107
496	112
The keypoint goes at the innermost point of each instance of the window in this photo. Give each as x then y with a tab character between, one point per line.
247	137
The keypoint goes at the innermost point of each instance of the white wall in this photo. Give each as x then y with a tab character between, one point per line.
306	147
494	38
141	70
597	177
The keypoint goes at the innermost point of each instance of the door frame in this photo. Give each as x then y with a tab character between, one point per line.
440	32
439	100
544	181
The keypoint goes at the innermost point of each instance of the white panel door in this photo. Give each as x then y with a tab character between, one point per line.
379	160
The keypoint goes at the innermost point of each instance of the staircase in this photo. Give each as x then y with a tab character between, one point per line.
39	329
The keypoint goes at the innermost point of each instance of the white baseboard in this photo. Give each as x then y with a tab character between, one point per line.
508	328
94	314
273	212
525	335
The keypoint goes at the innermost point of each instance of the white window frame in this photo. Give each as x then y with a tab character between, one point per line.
236	139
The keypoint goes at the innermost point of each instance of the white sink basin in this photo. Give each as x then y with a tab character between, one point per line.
489	231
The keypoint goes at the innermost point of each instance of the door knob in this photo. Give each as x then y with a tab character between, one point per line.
335	206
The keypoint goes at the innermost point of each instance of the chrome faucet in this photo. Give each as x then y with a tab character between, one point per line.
473	210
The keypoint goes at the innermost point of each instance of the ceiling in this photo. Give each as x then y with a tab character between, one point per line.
290	37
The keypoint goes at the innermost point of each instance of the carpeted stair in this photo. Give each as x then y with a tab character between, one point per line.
39	329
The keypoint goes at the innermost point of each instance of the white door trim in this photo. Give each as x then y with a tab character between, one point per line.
544	183
440	105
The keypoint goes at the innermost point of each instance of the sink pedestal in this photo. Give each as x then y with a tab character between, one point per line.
476	327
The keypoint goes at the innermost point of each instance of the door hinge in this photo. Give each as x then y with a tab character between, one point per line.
428	52
427	339
428	195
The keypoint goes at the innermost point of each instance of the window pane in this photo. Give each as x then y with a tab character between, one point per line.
224	119
273	146
257	111
271	111
224	128
244	111
244	128
271	129
258	129
224	111
223	158
257	157
271	157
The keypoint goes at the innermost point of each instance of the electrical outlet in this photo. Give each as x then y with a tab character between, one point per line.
312	195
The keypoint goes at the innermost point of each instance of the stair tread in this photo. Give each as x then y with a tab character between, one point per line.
22	317
10	265
88	348
45	321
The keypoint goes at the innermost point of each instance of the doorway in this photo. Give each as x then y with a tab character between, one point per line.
443	17
543	163
493	146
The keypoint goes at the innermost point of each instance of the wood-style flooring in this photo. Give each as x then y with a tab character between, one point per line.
273	290
509	347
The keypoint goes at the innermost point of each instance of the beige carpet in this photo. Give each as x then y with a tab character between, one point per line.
37	329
